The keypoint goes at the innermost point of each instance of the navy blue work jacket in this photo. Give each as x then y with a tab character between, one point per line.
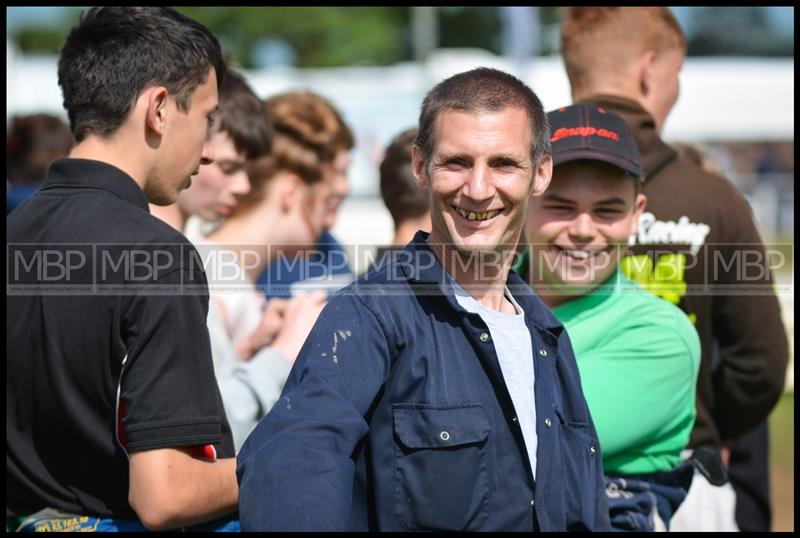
396	417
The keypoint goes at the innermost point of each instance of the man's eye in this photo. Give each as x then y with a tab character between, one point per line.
455	163
608	212
558	208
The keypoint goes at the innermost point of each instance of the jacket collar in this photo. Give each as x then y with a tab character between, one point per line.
85	173
422	267
654	151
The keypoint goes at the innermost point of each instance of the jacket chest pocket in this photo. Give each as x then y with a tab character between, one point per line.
440	475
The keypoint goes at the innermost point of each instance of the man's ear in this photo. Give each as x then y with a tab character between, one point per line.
418	166
645	72
638	209
156	114
542	175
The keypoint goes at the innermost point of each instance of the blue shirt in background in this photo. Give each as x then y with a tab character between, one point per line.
16	194
328	259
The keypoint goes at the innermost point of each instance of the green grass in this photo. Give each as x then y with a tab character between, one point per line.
781	433
781	424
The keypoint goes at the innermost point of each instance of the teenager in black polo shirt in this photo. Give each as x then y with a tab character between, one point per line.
113	410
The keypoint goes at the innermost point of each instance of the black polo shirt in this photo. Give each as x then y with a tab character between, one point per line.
106	318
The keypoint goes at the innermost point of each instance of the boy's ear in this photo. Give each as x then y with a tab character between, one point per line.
156	112
638	209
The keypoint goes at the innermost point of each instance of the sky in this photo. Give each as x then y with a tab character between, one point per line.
49	15
782	17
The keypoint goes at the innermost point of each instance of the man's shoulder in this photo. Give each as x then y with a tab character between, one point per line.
94	215
682	172
715	212
381	288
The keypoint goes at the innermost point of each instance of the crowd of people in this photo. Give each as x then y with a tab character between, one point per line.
189	348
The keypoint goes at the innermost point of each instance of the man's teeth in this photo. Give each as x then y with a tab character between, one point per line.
580	254
477	215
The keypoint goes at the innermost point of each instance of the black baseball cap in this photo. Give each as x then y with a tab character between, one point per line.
585	131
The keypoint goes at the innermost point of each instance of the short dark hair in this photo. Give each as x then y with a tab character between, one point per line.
399	190
34	142
114	53
483	89
243	116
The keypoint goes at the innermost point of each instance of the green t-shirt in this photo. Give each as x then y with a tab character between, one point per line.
638	358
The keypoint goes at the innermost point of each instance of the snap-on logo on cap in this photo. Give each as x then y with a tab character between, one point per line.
565	132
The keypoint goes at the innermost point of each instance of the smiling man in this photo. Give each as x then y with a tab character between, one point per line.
635	352
438	392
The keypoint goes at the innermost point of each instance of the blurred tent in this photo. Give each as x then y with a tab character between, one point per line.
722	100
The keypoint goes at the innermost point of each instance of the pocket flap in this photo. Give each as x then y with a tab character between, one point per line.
437	426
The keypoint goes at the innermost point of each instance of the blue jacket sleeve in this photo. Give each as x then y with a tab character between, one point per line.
296	469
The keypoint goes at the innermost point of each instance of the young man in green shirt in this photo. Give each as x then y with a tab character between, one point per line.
638	356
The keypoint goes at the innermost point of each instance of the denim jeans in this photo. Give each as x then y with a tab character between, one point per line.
645	503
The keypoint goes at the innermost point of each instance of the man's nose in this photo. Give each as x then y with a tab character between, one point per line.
582	228
479	185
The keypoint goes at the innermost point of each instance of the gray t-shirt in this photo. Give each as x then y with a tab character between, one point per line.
512	343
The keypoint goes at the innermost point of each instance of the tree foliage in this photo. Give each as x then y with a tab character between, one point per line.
320	36
711	33
40	39
381	35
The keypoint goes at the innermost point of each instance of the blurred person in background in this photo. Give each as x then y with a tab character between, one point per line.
241	132
250	380
634	351
114	417
407	203
275	220
325	259
748	464
627	60
33	142
699	156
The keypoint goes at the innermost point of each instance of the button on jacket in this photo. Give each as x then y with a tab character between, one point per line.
396	417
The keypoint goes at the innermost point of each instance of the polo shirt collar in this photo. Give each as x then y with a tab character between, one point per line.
85	173
613	285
